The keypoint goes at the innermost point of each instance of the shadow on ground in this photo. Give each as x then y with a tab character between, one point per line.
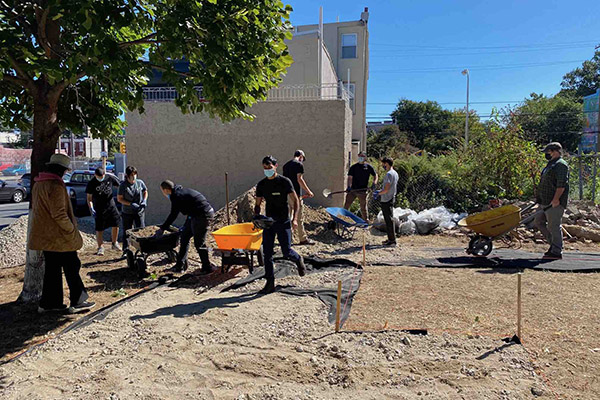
187	310
21	323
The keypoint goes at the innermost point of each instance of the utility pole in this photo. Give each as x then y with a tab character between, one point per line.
466	72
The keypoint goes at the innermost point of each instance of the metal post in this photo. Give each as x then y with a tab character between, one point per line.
320	49
595	175
227	197
466	72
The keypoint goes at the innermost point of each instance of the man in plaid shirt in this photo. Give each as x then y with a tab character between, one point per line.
553	191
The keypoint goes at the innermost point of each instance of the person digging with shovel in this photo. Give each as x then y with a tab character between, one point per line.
358	183
277	191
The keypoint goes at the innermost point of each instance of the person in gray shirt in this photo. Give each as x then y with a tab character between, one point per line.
133	195
388	197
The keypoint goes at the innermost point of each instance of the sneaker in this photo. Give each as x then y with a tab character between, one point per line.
551	256
209	270
388	243
269	287
58	309
301	266
306	243
100	251
115	247
81	307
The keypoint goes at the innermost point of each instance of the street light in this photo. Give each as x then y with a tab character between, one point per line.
466	72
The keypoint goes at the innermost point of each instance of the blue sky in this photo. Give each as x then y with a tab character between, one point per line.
511	48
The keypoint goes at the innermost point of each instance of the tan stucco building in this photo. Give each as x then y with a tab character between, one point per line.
311	110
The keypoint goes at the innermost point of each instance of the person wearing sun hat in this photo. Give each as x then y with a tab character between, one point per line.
54	232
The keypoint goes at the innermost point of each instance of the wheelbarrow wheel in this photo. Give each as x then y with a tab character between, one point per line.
130	259
480	246
171	256
140	266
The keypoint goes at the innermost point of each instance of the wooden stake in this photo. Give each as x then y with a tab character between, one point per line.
364	264
338	307
519	305
227	197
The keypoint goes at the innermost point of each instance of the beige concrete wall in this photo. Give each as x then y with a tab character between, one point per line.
196	151
305	69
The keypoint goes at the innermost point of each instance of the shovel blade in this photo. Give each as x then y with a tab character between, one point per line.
326	192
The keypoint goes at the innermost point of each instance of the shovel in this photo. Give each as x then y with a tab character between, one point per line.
327	192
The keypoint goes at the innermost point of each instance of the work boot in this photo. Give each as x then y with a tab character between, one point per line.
301	267
269	287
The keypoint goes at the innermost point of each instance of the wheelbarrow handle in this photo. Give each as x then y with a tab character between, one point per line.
535	214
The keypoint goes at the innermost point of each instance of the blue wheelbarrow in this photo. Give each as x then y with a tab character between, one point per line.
345	222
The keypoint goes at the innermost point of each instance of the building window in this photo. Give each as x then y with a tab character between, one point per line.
349	45
352	96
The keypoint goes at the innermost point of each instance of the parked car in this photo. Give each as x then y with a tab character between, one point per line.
25	181
12	191
15	170
109	166
67	177
4	166
76	188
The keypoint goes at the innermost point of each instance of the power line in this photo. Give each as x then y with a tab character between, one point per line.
469	54
477	67
458	102
540	45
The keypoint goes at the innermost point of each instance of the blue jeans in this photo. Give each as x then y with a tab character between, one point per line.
283	231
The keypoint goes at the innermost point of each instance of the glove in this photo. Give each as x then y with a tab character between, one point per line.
135	206
348	189
144	203
376	194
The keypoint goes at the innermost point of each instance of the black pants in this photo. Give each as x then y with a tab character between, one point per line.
52	292
387	208
283	232
195	227
129	221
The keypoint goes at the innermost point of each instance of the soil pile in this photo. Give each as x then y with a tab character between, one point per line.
13	243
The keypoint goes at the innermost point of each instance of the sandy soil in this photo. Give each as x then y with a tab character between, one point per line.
197	343
194	342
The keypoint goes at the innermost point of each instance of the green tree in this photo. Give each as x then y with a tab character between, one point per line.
548	119
65	66
584	80
421	120
387	141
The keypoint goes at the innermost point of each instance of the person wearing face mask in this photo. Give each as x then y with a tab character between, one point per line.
294	171
553	193
388	198
278	193
358	182
200	214
99	191
133	195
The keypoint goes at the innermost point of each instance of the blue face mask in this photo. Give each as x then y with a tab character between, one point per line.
269	172
169	196
100	179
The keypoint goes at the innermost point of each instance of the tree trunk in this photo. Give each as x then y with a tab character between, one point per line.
45	136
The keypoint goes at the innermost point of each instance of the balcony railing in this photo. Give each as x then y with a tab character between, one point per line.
332	91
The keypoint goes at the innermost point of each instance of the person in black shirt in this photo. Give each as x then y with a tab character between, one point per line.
358	183
294	171
277	190
199	217
102	206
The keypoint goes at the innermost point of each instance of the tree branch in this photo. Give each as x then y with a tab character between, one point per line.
42	31
158	67
20	72
145	39
15	80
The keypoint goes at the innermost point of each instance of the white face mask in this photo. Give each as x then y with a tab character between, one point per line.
362	159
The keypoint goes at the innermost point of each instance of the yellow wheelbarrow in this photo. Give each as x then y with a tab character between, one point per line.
493	224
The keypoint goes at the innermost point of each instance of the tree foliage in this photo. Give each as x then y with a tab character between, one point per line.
93	56
549	119
584	80
421	120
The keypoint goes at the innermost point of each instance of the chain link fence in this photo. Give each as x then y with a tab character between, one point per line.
584	181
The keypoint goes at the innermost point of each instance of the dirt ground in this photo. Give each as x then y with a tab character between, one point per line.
195	342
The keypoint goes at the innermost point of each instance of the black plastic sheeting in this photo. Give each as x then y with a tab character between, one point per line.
507	259
283	268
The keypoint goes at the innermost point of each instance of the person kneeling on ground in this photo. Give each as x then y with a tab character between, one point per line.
277	190
54	231
200	215
103	208
388	198
553	194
